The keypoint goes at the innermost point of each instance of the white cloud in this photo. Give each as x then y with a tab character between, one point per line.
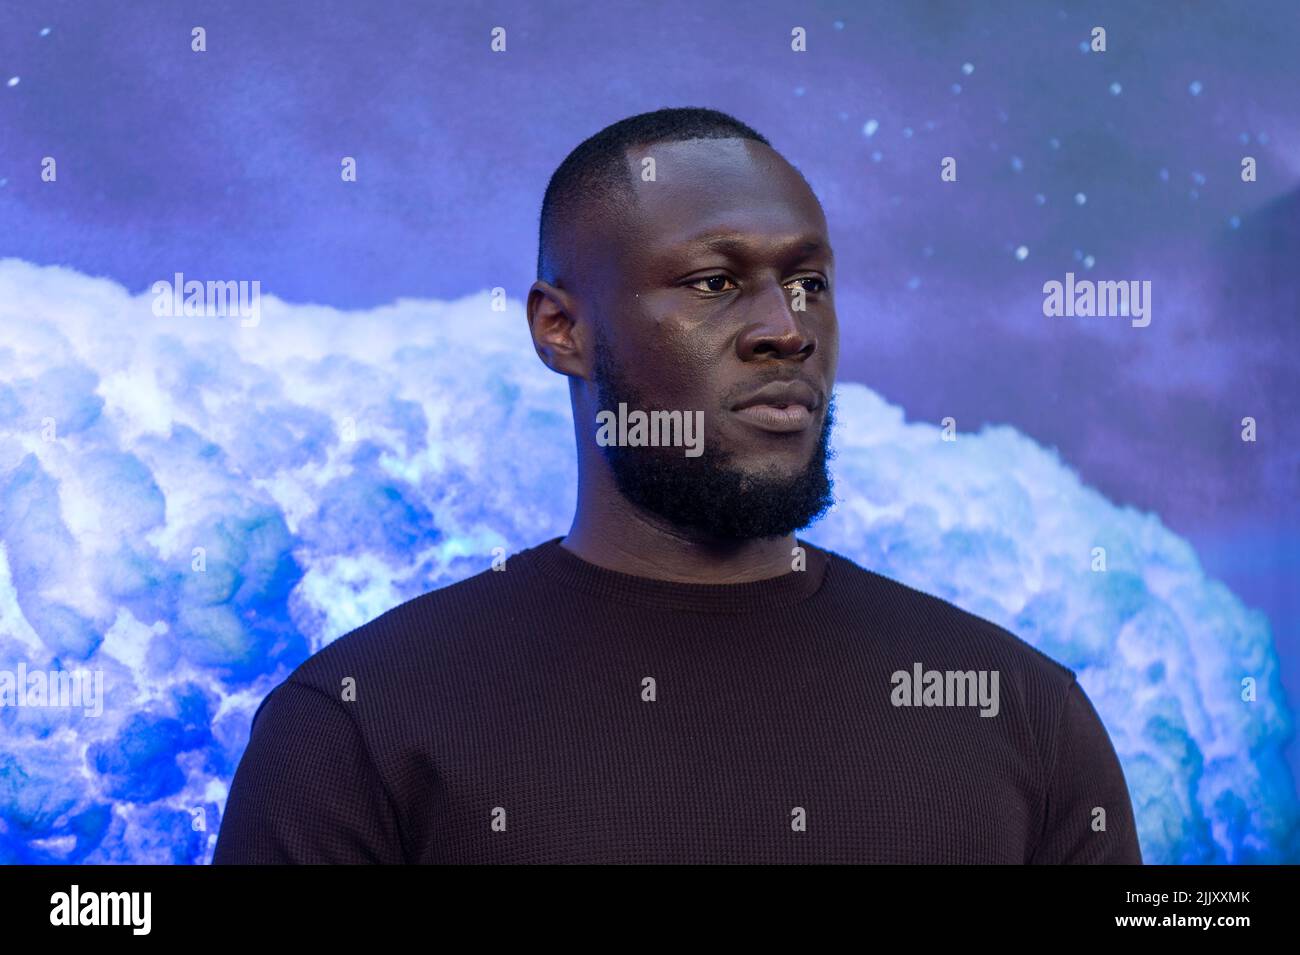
185	432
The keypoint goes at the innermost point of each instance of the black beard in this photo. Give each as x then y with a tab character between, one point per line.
706	493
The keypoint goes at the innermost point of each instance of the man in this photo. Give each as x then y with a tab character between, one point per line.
680	678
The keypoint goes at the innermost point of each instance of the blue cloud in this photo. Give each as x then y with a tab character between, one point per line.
217	502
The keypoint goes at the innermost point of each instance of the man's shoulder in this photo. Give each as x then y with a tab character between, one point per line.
930	619
415	628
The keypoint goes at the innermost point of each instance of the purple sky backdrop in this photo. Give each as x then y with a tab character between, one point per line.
226	165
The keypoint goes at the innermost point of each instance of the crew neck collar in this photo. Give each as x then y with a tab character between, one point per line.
558	563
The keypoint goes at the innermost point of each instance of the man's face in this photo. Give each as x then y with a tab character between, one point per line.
699	313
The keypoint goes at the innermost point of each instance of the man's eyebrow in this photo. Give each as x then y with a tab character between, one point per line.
734	245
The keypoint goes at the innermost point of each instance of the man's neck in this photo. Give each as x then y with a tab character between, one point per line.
626	539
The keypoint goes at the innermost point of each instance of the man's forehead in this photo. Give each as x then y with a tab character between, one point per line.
710	192
744	240
718	150
694	168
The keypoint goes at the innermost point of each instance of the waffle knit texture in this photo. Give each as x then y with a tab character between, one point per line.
560	712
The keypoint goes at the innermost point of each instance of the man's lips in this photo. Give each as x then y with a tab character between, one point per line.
774	418
782	406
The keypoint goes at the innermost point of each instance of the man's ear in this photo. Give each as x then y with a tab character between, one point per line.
558	337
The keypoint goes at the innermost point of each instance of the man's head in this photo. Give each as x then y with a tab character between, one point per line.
685	266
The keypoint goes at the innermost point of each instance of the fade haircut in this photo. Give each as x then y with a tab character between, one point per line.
592	184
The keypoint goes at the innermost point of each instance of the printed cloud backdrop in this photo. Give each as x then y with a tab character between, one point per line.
333	464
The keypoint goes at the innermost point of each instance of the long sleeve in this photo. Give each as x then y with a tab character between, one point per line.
1086	776
306	790
458	752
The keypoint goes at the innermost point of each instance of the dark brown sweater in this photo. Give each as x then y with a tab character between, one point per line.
556	711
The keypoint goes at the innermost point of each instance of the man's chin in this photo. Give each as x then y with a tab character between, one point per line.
730	504
777	482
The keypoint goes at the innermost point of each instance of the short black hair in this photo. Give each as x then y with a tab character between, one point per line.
596	171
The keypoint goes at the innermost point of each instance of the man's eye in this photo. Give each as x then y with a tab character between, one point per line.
820	283
711	278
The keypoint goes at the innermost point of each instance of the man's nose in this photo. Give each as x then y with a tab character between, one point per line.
774	329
